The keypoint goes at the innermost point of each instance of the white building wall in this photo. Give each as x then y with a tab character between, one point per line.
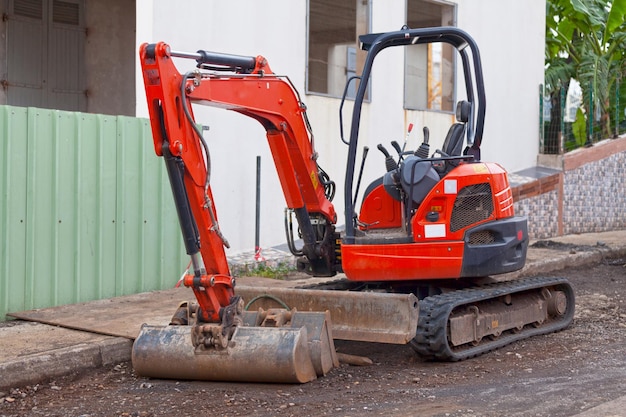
511	37
512	51
245	27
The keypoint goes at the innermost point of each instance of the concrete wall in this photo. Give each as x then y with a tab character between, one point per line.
277	32
543	214
512	51
110	56
594	196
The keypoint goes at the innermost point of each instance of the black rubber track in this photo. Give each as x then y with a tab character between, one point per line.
431	339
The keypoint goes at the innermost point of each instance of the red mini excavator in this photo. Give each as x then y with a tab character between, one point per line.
417	255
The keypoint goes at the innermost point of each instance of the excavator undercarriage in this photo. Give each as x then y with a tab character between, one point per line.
465	323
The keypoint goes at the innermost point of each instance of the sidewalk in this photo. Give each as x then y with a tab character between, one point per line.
32	352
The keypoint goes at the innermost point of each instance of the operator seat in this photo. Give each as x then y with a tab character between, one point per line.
453	143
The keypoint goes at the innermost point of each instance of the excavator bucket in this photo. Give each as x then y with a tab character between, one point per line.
296	352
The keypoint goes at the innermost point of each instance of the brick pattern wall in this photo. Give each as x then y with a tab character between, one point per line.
542	213
594	196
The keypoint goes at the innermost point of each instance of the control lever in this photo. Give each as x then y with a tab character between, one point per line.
397	147
390	163
406	138
424	149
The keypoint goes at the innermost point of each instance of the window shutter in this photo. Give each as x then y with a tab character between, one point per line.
28	8
66	13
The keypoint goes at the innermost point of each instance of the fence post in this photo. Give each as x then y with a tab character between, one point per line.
617	80
590	116
257	224
562	103
541	120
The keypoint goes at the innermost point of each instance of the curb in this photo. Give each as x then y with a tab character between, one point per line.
575	260
613	408
35	368
566	260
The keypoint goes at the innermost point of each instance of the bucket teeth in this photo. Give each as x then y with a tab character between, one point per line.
181	316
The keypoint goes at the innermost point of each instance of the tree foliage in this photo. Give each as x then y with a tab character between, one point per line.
586	40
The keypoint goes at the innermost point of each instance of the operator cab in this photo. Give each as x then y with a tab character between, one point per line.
390	201
418	174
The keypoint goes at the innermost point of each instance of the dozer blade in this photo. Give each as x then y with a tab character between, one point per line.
360	316
253	354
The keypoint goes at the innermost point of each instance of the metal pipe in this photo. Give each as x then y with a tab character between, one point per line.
358	184
257	222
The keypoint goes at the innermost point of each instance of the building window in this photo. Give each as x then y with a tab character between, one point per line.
333	53
429	68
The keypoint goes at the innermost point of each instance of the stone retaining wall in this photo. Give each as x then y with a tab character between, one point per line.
588	195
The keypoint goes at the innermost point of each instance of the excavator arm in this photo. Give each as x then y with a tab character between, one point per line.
278	345
249	88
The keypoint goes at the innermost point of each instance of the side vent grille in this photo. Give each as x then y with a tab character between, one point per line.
483	237
473	204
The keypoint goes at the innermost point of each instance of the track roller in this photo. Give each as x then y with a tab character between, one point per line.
462	324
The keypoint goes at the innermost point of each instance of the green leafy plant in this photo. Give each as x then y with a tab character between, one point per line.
265	269
579	128
586	40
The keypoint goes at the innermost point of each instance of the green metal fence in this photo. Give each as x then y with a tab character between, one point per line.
569	120
85	210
